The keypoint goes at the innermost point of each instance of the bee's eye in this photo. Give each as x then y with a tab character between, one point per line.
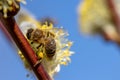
29	33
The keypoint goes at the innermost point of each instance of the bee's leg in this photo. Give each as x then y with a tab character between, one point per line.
51	34
40	57
37	63
39	46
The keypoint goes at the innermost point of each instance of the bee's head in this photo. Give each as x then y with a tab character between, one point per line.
34	35
29	33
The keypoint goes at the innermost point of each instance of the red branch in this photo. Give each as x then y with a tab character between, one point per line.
10	25
6	33
116	16
116	19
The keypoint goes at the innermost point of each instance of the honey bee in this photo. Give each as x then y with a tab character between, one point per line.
48	42
44	40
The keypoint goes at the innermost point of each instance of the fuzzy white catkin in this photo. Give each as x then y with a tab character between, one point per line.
63	53
93	15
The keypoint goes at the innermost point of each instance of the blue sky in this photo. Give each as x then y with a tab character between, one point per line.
94	58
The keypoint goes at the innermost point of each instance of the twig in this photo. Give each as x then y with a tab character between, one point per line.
6	33
10	25
116	17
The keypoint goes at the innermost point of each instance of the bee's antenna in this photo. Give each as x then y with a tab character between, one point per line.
48	21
